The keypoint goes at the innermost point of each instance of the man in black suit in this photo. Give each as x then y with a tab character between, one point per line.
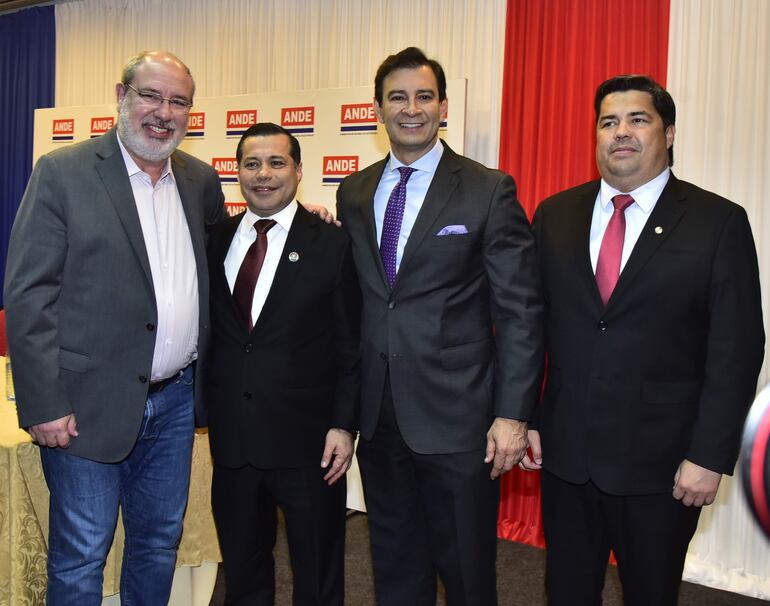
282	381
444	253
652	361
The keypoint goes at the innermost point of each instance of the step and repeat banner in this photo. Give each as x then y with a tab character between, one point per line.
337	130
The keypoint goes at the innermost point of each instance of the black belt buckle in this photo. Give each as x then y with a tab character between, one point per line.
159	386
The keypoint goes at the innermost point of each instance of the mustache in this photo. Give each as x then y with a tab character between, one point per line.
168	124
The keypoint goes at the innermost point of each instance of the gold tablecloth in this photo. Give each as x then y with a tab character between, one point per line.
24	515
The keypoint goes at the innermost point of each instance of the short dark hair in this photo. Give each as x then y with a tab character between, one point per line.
410	57
661	99
267	129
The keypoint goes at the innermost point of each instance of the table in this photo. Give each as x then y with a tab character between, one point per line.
24	523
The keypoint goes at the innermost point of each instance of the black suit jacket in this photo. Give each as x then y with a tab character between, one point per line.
274	393
433	332
668	369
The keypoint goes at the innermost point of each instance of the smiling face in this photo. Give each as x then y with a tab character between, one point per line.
151	133
411	111
267	174
631	143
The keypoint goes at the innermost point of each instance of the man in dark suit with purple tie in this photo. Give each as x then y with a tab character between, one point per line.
654	340
444	253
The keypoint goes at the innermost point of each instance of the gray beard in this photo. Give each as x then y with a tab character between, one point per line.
134	141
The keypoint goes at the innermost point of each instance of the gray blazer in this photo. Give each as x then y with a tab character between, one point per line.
459	335
79	296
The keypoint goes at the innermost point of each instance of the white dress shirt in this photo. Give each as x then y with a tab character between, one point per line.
645	198
172	264
416	188
244	237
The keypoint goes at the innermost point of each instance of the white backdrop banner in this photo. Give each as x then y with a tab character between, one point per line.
337	130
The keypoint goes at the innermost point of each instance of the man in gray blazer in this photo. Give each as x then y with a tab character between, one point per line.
451	349
107	306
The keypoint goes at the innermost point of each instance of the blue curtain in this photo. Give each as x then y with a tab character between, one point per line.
27	64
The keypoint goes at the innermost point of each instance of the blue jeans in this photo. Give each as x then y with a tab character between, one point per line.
151	487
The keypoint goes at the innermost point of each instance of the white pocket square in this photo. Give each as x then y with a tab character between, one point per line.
453	230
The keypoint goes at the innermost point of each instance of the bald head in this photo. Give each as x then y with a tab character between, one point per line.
154	56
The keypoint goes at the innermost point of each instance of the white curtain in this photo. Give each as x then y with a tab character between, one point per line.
254	46
719	76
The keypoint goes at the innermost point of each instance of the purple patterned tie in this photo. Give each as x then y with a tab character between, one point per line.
391	224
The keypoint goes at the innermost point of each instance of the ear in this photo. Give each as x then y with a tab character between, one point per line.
378	110
299	172
444	107
120	92
670	132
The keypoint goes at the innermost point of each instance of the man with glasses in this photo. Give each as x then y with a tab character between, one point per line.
107	303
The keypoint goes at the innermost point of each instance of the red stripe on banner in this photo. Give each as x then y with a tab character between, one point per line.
557	53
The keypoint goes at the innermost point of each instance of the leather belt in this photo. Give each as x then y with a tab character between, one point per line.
159	386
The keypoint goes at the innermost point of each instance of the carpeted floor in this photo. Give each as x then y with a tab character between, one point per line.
520	571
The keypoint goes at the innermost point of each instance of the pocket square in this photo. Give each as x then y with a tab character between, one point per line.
453	230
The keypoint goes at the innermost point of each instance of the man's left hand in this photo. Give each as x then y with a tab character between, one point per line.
323	213
695	485
339	452
506	445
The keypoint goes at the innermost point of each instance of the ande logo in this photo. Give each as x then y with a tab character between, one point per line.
298	120
227	169
357	118
239	120
336	168
196	125
99	126
63	129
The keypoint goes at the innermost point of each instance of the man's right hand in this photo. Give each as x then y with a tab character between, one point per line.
536	460
55	433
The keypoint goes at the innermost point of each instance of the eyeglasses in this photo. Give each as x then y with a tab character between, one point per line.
177	104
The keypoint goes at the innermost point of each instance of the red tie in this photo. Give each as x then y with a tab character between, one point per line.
243	291
611	250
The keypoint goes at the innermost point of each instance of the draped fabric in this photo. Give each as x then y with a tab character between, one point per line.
557	53
719	76
27	62
240	46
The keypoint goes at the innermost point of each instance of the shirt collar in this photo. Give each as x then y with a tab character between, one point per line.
134	169
427	163
645	196
283	217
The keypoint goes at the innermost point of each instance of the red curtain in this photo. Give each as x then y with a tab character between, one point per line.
557	52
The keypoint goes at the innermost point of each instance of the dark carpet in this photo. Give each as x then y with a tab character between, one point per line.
520	572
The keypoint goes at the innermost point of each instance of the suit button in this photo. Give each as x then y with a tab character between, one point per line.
150	326
383	355
249	347
142	379
602	325
391	305
247	395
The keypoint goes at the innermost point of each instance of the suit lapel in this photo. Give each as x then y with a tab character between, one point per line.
367	190
188	193
582	222
668	210
220	245
302	234
439	193
112	171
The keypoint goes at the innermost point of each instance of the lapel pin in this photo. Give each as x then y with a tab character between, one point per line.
658	230
293	256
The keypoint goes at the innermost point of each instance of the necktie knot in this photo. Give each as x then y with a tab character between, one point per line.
263	225
406	172
622	201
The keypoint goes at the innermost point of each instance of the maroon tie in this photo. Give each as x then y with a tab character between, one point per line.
243	291
611	250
